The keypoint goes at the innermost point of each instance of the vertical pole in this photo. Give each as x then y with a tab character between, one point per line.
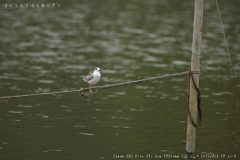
195	65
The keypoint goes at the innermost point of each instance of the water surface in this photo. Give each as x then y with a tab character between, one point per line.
45	49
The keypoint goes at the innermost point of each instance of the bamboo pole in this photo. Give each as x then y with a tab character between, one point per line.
195	65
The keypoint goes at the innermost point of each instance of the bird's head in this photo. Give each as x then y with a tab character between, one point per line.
97	69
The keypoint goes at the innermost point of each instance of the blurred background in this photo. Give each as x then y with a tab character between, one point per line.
45	46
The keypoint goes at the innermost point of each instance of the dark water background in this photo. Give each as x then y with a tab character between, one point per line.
45	49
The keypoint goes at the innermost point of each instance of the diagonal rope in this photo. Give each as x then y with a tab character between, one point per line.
82	90
230	61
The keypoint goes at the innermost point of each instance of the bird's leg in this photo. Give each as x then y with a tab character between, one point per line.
90	89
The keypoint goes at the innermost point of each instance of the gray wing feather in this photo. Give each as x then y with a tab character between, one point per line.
88	77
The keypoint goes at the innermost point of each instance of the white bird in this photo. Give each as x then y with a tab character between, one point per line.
93	77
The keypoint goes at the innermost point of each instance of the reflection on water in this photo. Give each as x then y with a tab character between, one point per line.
46	49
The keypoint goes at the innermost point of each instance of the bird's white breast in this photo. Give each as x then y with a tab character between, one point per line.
96	78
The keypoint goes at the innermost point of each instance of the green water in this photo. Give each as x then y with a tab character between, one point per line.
45	49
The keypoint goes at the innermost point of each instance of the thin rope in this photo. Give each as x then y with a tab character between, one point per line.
230	61
82	90
39	94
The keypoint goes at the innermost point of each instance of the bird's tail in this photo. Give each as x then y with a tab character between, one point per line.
83	77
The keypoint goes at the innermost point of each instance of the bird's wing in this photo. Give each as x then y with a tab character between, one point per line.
89	77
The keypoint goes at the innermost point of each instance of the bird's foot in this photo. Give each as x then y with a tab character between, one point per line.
90	90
